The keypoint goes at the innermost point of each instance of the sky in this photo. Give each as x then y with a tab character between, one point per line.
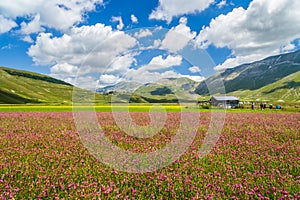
95	43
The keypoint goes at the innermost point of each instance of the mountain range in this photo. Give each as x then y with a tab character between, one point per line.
273	78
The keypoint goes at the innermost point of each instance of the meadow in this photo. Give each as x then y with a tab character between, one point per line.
138	108
256	157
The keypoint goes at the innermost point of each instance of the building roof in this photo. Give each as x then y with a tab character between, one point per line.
225	98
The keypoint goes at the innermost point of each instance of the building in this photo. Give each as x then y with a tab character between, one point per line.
225	101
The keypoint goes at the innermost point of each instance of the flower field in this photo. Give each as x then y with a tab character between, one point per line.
256	157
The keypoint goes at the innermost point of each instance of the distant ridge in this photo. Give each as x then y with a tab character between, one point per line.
273	78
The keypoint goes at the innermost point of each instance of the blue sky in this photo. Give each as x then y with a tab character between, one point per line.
83	41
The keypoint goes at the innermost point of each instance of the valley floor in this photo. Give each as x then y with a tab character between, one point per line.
255	157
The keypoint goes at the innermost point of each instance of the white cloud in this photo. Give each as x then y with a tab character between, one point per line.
57	14
195	78
255	33
289	47
194	69
168	9
158	63
33	26
87	82
157	43
95	49
118	19
9	46
108	79
149	77
178	37
121	64
27	38
6	24
168	62
64	69
149	73
143	33
65	72
222	4
96	45
134	19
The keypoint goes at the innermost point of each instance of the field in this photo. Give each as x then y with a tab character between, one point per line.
287	107
257	156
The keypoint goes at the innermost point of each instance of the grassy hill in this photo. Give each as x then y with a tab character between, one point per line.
273	78
169	90
287	89
23	87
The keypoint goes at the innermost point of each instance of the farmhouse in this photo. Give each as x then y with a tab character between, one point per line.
225	101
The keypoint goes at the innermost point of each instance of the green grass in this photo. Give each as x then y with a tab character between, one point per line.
21	87
102	108
287	89
131	108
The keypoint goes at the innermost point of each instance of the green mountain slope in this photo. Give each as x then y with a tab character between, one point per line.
21	87
287	89
273	78
170	90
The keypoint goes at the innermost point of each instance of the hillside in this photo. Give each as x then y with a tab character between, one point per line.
273	78
168	90
21	87
123	86
287	89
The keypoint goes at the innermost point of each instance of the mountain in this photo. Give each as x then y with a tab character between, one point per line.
123	86
273	78
168	90
171	89
21	87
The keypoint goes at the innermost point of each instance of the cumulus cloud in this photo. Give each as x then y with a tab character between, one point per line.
195	78
254	33
108	79
64	69
168	62
159	63
179	36
92	48
221	4
87	82
33	26
150	77
6	24
118	19
168	9
121	64
27	38
194	69
57	14
155	70
143	33
134	19
97	45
